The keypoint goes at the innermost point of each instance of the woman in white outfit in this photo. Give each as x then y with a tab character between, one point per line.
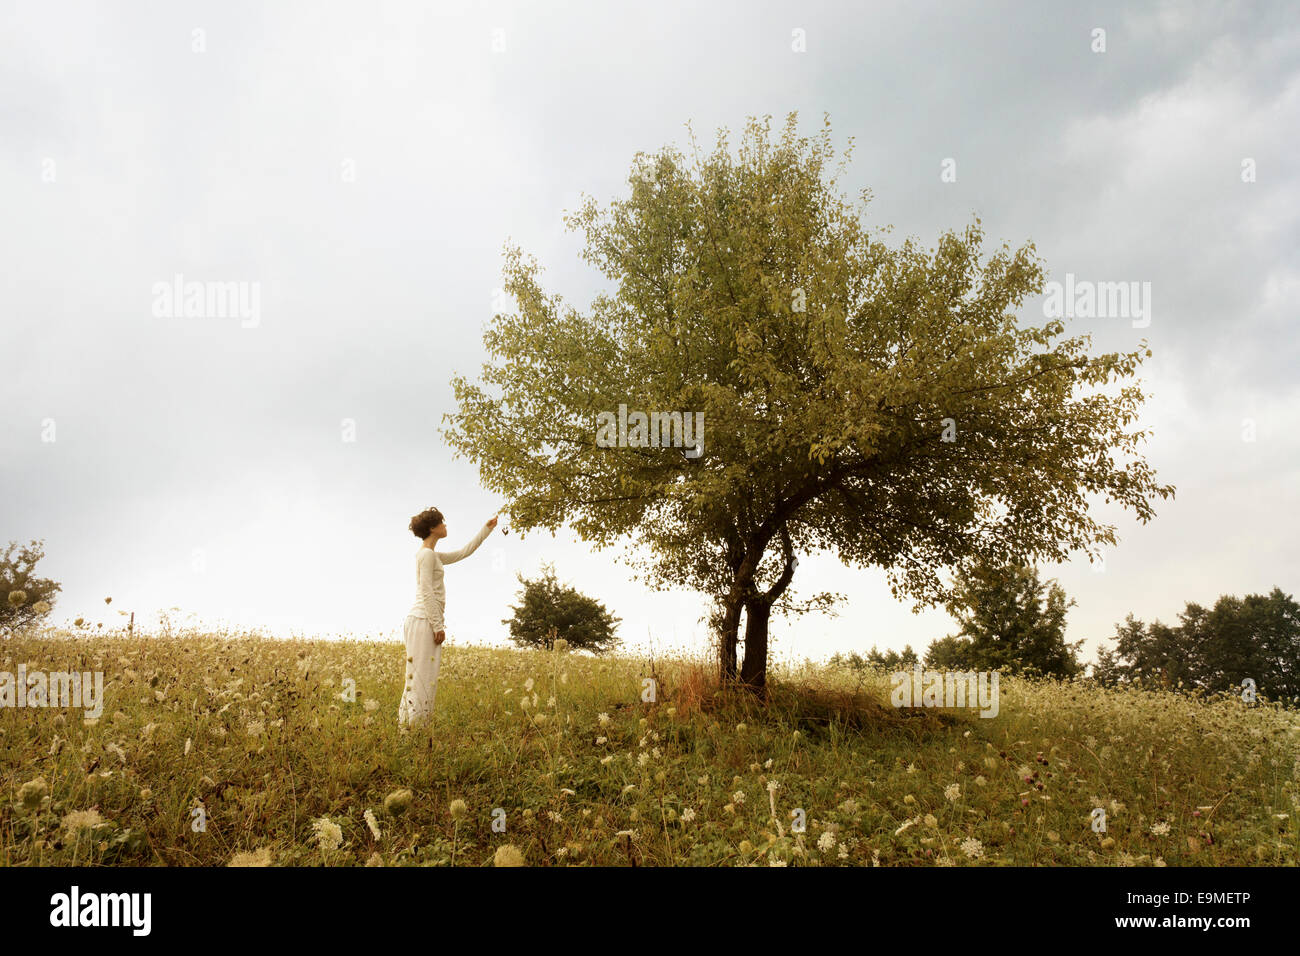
425	629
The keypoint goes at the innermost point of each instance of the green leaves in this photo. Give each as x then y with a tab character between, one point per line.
883	402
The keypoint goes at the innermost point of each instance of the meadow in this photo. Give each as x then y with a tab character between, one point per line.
218	750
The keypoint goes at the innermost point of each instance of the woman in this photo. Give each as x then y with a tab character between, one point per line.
425	628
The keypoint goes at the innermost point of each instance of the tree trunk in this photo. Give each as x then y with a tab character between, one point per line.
728	633
753	673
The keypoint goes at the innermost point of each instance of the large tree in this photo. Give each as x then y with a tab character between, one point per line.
880	402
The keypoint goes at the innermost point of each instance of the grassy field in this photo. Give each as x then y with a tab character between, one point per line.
213	750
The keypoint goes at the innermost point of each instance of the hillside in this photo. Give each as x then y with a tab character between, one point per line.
255	739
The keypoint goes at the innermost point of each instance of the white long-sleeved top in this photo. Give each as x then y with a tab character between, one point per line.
430	594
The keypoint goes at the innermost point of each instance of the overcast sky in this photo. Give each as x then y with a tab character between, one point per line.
362	165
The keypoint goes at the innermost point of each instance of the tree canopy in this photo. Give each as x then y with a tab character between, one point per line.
1010	621
883	403
548	610
25	600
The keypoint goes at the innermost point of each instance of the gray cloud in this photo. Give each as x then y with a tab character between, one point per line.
365	165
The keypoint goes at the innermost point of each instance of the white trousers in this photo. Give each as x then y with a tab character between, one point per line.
422	660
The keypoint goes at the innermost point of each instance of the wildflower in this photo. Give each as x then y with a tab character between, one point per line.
372	823
550	702
371	704
643	758
254	728
980	781
328	833
906	825
398	801
738	796
375	859
631	834
740	728
79	820
826	842
628	788
260	857
508	855
607	759
555	817
528	685
672	711
849	806
773	786
602	740
909	799
972	847
703	781
952	792
931	820
688	815
32	793
1160	829
746	847
768	764
911	768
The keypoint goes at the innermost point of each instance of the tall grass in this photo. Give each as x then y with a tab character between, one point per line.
212	748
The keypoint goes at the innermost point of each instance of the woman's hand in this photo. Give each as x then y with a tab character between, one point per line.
439	637
493	522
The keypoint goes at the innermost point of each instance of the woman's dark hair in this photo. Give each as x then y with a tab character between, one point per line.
423	523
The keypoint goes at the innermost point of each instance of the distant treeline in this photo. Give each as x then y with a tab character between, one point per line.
1013	622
